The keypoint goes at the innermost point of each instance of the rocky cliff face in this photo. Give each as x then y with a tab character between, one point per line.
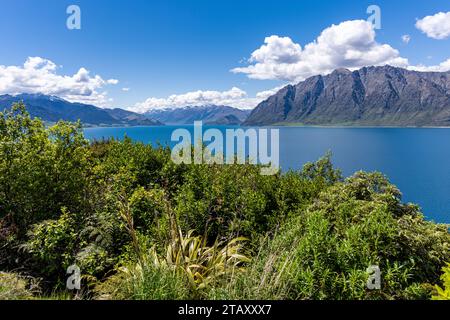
384	96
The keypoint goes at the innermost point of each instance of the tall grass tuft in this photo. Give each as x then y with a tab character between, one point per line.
187	269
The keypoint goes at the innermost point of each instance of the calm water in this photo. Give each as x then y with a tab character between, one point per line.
416	160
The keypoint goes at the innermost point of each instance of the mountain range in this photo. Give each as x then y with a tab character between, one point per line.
371	96
378	96
209	114
53	109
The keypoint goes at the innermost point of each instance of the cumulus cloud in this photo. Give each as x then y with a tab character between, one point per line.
39	75
436	26
234	97
263	95
442	67
350	44
406	38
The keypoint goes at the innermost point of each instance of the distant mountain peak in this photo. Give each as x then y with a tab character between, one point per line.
52	109
209	114
341	71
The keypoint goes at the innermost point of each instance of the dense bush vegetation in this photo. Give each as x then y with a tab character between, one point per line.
444	292
141	227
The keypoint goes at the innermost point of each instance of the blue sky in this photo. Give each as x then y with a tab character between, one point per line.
161	48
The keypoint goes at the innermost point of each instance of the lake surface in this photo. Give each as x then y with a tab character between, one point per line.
417	160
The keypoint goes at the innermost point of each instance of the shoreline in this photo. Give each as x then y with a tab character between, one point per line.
276	126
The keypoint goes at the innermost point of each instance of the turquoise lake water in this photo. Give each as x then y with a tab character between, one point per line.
417	160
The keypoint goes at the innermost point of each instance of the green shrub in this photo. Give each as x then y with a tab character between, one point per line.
41	170
54	244
324	251
443	293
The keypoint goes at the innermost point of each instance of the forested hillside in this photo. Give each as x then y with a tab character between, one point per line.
141	227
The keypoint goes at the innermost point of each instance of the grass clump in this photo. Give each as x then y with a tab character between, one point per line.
16	287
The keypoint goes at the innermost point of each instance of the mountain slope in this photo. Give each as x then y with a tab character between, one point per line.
385	96
53	109
210	114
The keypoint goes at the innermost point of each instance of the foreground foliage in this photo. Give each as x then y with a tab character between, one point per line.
443	293
141	227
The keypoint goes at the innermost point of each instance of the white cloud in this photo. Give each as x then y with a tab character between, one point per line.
234	97
442	67
406	38
350	44
126	89
436	26
39	75
263	95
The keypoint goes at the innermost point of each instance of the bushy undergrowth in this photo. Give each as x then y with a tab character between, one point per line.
13	287
443	293
141	227
323	251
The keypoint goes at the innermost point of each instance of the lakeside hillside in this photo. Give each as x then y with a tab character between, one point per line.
209	114
52	109
378	96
